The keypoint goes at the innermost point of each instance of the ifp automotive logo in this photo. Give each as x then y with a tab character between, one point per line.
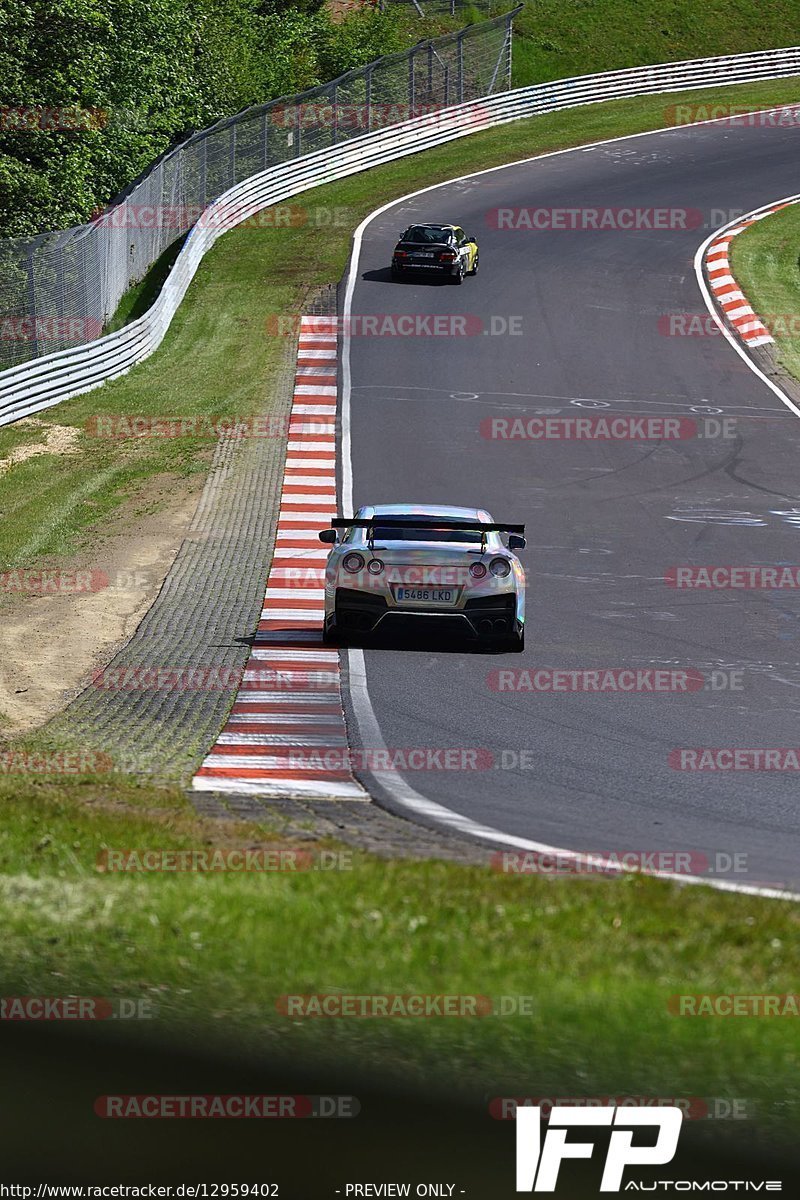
539	1160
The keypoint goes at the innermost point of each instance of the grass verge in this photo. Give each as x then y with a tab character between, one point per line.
599	959
142	295
555	39
766	264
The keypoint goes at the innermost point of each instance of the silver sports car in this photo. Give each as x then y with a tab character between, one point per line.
394	565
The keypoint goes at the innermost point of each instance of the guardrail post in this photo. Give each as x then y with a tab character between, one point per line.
85	276
430	72
60	278
203	171
510	43
461	68
335	104
32	301
368	83
411	80
297	128
265	139
232	156
503	60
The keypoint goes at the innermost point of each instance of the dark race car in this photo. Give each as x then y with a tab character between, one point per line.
435	250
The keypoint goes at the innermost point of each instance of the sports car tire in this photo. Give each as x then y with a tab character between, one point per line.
516	644
474	270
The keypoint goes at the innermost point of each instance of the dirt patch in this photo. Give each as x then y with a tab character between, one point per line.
339	9
58	439
50	643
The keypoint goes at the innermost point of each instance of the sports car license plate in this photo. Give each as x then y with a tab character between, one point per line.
424	256
426	595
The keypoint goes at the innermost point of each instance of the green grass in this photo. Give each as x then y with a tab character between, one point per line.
766	263
142	295
598	958
555	39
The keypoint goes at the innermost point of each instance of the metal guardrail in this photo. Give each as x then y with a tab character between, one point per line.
37	385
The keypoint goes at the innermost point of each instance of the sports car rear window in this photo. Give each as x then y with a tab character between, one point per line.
394	534
426	233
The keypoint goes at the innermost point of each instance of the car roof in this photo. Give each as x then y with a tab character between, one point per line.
431	225
447	511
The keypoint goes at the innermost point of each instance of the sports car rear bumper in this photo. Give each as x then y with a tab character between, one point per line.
435	268
483	617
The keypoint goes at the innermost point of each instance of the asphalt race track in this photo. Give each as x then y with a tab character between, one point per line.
605	520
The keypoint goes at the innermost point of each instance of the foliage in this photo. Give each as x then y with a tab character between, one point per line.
91	91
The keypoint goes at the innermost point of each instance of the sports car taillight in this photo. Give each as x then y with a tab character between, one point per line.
448	256
401	254
500	567
353	563
477	570
374	566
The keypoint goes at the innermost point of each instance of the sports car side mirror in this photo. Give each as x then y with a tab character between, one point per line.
515	541
328	535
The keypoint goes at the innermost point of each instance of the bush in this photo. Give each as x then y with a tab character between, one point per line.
92	91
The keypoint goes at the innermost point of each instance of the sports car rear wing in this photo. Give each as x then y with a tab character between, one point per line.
414	522
450	524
